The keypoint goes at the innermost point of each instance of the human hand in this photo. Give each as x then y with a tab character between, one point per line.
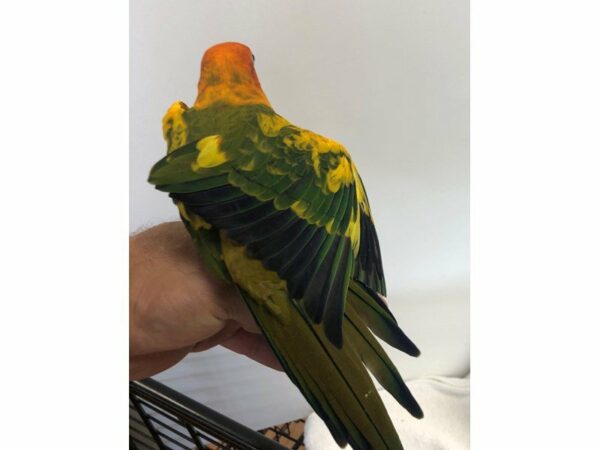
177	306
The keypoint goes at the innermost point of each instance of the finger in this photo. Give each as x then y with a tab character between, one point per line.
235	309
254	346
224	334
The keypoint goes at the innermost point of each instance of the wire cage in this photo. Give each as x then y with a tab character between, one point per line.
162	418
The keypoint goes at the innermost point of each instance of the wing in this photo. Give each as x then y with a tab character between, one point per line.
293	198
369	267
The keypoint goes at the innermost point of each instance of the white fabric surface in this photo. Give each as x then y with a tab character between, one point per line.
445	403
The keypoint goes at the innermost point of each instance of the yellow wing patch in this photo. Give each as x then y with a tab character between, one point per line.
175	129
316	144
209	153
361	196
300	207
342	174
272	124
263	285
353	231
194	220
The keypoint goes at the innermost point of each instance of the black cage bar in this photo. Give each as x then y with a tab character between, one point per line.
161	418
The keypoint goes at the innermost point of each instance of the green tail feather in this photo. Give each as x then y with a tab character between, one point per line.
376	360
379	318
335	381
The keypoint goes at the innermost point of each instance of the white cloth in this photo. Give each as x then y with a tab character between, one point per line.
445	403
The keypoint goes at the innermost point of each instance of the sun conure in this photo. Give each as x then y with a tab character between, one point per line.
282	212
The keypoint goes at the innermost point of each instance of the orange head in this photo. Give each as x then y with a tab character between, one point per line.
228	76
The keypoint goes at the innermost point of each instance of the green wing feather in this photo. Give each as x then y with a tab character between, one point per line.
294	201
279	168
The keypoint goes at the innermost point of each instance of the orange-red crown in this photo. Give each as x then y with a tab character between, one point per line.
228	76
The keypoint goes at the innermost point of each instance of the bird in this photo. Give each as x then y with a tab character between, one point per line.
281	212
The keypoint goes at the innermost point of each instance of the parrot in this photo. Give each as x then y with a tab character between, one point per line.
281	212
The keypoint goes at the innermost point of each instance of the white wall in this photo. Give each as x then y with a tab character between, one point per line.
388	79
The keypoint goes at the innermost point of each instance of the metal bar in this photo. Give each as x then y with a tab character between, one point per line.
171	429
135	444
213	440
142	438
136	420
202	417
147	422
154	408
174	441
194	436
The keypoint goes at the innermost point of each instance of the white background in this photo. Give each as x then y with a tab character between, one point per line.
535	240
390	80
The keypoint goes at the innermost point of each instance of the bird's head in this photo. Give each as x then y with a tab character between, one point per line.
228	76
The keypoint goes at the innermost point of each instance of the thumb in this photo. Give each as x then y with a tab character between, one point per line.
254	347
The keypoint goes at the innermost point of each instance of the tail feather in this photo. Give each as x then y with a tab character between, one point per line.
334	381
378	363
377	316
